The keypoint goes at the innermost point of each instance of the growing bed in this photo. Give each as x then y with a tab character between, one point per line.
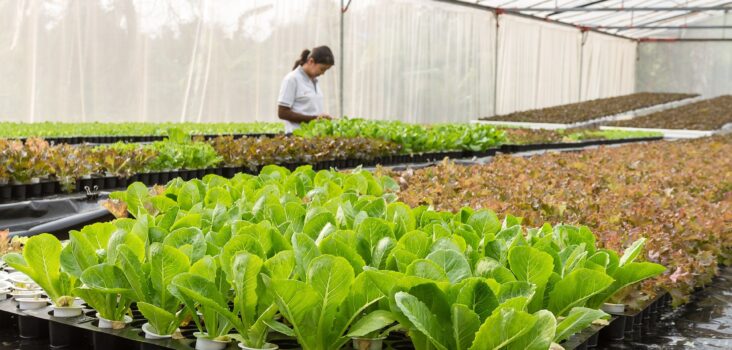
590	110
708	115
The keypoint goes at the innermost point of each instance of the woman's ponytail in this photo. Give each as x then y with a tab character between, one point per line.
320	54
303	58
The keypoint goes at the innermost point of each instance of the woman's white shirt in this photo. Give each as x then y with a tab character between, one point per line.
300	93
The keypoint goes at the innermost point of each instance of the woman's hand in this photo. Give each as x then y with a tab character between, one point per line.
324	116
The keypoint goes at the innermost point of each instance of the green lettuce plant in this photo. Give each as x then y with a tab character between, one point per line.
322	306
626	272
107	290
205	291
41	261
149	281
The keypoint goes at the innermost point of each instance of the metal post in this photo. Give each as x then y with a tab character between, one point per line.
617	9
342	59
495	68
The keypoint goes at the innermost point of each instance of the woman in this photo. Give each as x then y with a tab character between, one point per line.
301	100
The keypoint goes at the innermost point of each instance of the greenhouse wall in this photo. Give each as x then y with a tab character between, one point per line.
703	67
197	60
419	61
162	60
608	66
538	64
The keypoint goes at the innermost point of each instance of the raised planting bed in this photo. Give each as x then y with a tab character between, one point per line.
140	132
711	114
40	169
670	192
322	258
412	138
590	110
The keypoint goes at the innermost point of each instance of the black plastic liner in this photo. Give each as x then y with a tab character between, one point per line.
54	215
74	140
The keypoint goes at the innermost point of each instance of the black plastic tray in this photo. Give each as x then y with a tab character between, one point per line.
74	140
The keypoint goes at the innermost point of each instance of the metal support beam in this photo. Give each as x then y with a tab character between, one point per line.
617	9
659	27
676	40
499	11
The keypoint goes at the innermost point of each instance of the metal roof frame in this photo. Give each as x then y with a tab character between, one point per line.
630	19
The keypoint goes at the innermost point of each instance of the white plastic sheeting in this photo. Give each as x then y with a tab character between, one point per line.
538	64
223	60
701	67
704	67
156	60
418	61
608	66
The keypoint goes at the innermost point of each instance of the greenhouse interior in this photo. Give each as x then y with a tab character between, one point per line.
365	174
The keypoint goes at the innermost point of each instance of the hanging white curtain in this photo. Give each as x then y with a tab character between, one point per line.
156	60
608	66
418	61
538	64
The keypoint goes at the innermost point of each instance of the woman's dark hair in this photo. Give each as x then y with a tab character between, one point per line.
320	54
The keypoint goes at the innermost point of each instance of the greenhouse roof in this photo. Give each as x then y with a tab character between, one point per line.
636	19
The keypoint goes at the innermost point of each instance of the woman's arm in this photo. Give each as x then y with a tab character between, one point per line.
286	113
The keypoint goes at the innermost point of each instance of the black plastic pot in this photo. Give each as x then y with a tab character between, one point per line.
228	171
149	346
6	192
628	324
200	173
50	187
144	178
164	177
60	336
110	182
615	330
154	179
30	327
593	340
19	192
104	341
97	181
7	320
122	182
35	190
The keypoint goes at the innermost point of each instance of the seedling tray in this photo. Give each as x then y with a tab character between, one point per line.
101	139
82	331
20	192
